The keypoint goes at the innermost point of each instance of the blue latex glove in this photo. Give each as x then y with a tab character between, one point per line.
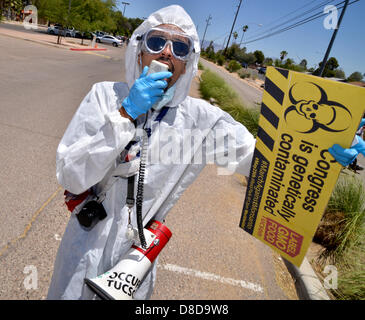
343	156
347	156
360	146
145	92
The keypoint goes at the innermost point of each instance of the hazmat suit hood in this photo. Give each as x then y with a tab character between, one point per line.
177	16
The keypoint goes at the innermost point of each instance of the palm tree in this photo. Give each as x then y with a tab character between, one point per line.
244	29
283	54
235	35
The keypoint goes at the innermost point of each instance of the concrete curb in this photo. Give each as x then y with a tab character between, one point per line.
307	284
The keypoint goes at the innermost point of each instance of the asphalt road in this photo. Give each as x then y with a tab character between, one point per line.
250	96
209	257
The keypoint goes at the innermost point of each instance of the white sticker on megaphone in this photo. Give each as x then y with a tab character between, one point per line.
149	236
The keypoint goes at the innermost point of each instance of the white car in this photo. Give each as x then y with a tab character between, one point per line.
110	39
55	30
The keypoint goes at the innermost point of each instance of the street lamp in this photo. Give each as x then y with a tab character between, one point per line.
125	4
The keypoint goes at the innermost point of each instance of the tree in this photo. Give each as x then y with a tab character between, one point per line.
303	64
339	73
268	61
332	64
329	69
355	76
14	6
244	29
289	63
233	52
235	35
259	55
283	55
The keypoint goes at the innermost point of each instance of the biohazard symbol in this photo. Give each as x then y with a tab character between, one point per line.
307	116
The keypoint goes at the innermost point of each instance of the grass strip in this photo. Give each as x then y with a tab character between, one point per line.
213	86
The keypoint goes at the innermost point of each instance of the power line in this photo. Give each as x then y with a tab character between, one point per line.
261	32
301	15
304	21
297	24
290	13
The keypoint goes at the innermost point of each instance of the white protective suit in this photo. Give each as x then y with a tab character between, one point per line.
90	147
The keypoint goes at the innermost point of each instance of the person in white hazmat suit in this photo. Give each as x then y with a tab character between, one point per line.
100	147
106	122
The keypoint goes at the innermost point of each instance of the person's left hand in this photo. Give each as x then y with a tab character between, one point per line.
346	156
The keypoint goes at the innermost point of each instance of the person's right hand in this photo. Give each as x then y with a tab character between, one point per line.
347	156
145	92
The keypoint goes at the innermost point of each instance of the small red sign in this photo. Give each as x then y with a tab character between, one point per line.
281	237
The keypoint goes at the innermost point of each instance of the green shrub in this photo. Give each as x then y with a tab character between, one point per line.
220	59
212	86
234	66
351	276
243	73
341	226
200	66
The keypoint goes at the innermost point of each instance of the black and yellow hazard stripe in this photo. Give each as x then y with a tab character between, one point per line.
276	85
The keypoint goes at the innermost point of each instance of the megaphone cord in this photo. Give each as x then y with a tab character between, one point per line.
139	197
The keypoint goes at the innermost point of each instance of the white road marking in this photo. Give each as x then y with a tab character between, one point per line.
211	277
57	237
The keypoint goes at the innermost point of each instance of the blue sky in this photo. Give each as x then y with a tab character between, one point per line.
308	41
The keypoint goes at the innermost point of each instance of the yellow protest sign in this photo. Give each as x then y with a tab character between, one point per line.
292	173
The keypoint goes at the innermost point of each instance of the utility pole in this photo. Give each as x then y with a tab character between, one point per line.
229	39
206	27
324	62
125	4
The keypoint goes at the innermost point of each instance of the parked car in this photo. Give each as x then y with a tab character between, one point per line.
120	38
99	33
56	30
87	35
109	39
262	70
244	64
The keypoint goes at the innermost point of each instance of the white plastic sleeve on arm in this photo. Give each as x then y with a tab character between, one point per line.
91	144
236	151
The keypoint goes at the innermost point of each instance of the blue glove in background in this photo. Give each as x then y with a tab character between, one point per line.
360	146
347	156
145	92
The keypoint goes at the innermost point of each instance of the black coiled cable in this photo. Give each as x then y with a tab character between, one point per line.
139	197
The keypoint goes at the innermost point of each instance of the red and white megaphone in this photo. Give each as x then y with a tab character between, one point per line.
122	281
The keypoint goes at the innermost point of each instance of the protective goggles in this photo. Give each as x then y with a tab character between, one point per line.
156	40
